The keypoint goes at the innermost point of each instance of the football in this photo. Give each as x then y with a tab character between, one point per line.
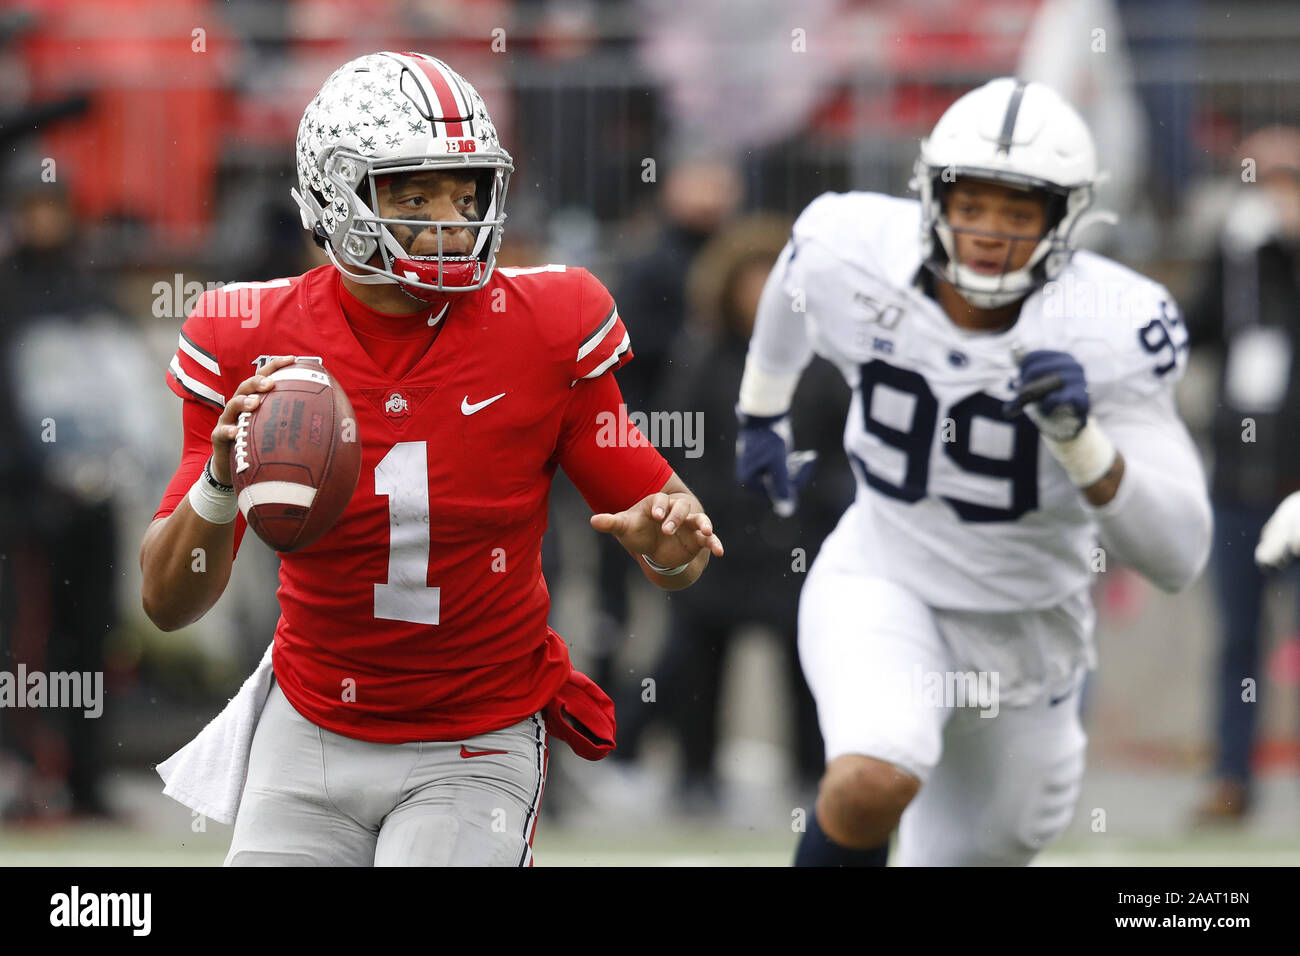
296	457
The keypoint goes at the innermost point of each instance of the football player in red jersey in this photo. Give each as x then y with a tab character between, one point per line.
415	680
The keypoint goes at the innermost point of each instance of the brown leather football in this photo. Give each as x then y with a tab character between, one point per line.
296	458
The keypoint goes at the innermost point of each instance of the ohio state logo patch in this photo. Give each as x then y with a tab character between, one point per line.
396	406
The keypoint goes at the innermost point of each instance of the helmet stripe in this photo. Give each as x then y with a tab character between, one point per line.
1009	120
462	97
446	98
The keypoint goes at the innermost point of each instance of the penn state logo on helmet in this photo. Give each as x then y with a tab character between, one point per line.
1020	134
389	113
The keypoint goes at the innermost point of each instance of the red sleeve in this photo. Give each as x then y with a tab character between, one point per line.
610	461
199	419
603	342
194	372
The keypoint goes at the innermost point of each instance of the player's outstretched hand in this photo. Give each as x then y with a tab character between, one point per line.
765	463
1279	542
1053	392
669	529
246	398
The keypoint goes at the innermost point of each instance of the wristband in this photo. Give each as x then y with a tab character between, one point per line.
212	478
210	503
666	572
1087	457
766	393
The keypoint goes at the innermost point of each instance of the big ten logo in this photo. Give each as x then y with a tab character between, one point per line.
461	146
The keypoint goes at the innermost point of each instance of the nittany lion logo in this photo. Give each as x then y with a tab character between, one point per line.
396	405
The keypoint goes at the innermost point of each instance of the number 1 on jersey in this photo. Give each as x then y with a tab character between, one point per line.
403	476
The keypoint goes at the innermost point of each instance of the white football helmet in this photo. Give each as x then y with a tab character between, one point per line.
388	113
1019	134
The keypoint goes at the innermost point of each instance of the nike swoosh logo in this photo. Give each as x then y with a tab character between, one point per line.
467	409
479	753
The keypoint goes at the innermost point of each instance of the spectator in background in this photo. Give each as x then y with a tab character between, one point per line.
58	541
699	195
1248	311
760	582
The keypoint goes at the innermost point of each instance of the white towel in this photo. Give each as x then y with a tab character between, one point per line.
208	773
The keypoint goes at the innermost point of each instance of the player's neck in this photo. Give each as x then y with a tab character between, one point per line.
389	299
966	316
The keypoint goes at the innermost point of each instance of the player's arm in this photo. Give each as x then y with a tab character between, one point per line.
667	533
779	351
1155	513
634	493
186	556
1134	464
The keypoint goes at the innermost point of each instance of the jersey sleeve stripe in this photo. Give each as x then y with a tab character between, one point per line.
618	354
194	386
204	358
594	338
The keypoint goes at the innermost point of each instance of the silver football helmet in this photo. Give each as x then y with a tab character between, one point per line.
389	113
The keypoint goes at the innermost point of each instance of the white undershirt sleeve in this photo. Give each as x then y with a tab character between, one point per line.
1159	521
779	349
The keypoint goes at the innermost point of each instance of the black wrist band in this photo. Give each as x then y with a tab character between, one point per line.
212	479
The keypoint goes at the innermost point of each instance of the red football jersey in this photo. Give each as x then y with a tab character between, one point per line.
421	615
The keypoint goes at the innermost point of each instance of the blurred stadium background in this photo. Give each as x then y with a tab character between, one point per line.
165	129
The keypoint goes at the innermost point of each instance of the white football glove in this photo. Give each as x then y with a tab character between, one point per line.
1279	542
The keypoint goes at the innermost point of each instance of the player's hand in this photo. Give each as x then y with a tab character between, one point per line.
1279	542
670	529
1053	392
765	463
246	398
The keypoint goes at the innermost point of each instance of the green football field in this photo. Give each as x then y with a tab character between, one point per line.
673	845
1146	824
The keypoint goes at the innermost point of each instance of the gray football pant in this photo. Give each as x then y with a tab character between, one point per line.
315	798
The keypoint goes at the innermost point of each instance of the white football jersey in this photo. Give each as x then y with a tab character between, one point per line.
967	509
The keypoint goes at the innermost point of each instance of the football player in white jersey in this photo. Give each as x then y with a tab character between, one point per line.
1013	432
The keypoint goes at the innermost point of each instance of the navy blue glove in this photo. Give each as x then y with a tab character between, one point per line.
766	465
1053	392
